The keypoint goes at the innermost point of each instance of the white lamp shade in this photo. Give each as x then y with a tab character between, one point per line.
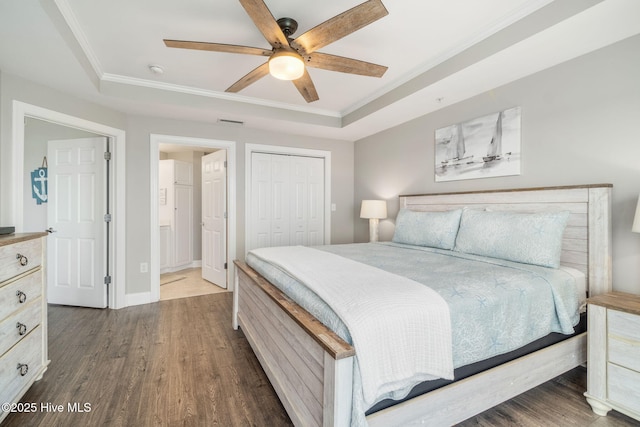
373	209
285	65
636	220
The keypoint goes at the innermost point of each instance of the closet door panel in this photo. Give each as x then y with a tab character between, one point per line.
260	200
299	201
280	199
316	202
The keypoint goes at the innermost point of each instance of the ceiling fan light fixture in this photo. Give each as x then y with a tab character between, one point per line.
286	65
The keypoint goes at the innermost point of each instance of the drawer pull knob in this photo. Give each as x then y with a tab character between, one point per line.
22	297
22	259
22	328
23	368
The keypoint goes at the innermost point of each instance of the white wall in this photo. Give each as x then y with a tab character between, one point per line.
580	125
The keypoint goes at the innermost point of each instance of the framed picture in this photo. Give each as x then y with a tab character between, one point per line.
485	147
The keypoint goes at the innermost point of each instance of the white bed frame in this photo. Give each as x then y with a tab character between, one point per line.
310	367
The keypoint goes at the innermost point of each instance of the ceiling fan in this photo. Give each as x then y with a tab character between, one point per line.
288	56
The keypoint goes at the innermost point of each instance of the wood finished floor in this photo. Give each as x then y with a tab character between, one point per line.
179	363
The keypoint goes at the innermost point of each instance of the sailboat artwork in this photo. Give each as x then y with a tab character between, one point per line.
495	146
457	147
484	147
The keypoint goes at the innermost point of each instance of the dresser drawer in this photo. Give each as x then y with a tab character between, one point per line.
16	327
624	387
20	257
624	352
624	325
25	289
27	354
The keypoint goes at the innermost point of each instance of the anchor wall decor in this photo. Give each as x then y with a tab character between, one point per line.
39	184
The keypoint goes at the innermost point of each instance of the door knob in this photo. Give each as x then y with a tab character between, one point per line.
51	230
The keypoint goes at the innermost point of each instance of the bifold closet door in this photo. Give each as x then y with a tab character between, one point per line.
307	201
287	200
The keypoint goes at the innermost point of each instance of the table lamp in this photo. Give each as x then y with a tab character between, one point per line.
374	210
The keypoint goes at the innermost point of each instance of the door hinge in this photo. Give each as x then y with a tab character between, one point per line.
107	218
107	155
225	215
107	280
225	163
225	266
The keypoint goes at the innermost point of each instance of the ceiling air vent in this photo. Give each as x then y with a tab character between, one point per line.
231	122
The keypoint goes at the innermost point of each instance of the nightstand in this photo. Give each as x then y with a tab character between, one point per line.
613	354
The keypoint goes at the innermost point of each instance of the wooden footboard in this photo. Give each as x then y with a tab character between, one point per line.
309	366
463	399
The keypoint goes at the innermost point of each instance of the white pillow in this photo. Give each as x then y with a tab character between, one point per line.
529	238
433	229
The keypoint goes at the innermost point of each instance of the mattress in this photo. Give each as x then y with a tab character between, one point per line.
463	372
580	280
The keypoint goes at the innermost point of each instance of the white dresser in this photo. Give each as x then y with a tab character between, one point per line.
613	355
23	314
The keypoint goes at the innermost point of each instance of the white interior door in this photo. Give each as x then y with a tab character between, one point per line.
214	221
77	199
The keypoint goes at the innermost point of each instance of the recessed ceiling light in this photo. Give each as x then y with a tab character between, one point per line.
156	69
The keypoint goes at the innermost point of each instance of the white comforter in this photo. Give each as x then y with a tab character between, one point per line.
400	329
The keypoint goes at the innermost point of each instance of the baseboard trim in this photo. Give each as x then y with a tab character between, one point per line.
194	264
137	299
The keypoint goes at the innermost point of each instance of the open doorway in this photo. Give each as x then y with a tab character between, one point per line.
115	250
182	234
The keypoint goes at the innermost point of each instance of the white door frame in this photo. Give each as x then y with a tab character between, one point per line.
117	252
293	151
154	153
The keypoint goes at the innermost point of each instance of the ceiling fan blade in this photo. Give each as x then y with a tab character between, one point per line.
306	87
344	65
217	47
250	78
339	26
266	23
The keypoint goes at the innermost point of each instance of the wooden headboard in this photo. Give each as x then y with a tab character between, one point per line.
586	244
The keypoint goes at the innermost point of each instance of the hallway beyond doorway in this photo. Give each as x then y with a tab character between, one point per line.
186	283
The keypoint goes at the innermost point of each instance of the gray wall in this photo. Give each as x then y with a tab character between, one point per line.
580	125
138	129
15	88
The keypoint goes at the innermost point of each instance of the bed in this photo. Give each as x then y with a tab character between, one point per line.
312	368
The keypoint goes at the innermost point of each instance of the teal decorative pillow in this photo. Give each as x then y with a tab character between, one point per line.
529	238
433	229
